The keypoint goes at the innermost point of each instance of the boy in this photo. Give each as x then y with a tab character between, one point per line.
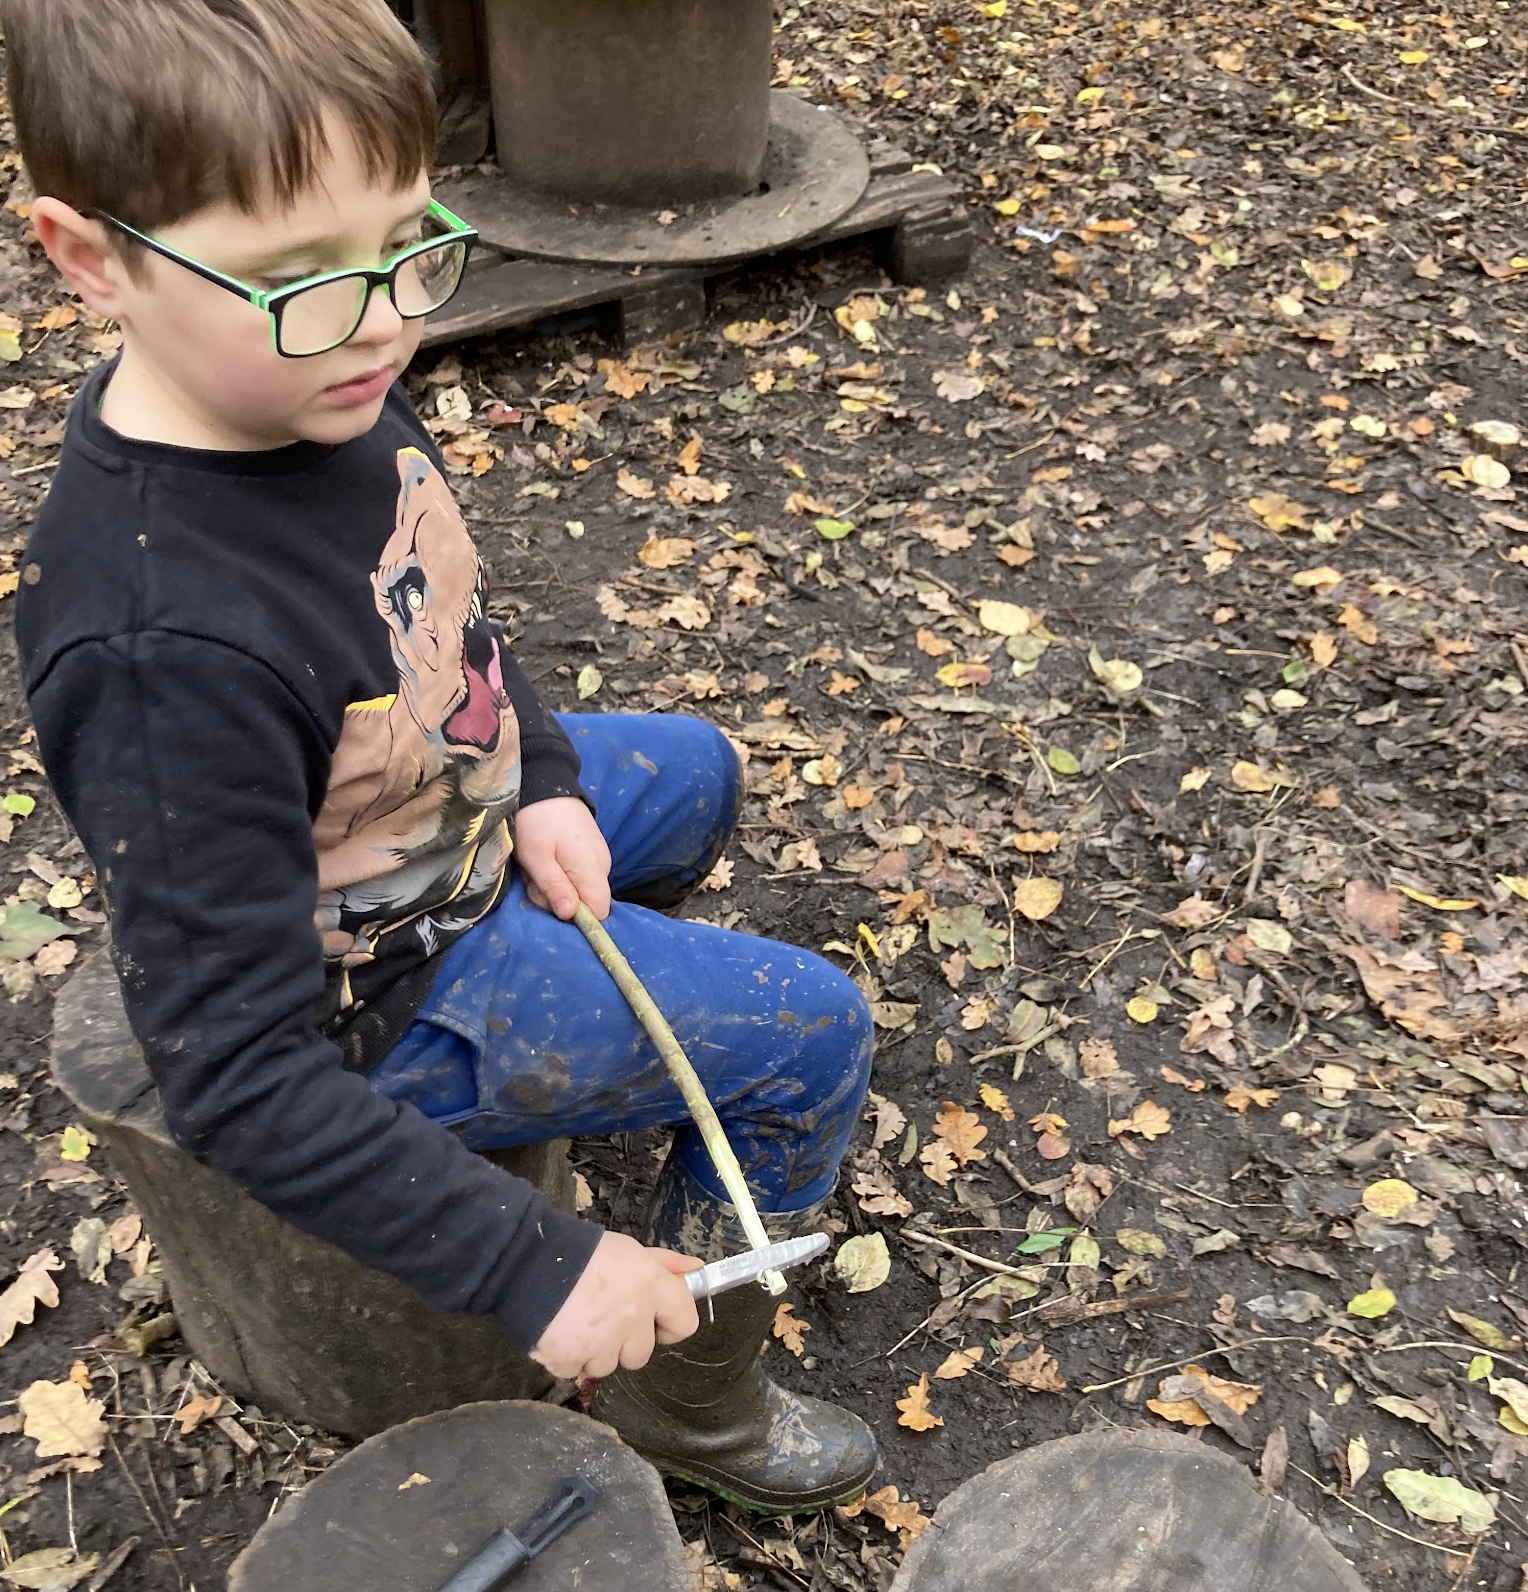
340	836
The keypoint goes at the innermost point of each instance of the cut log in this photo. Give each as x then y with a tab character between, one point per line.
1120	1511
407	1510
279	1319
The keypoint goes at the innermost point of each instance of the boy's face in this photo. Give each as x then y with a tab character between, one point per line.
210	357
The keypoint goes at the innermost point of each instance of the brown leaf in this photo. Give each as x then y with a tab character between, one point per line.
194	1411
1241	1096
634	485
1209	1030
1272	1466
937	1162
689	456
958	1363
61	1420
1148	1119
878	1194
890	1120
1097	1058
887	1507
1087	1188
1378	911
916	1415
1194	913
1040	1372
790	1330
1407	989
32	1287
960	1131
663	552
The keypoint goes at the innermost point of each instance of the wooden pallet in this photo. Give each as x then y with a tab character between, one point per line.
922	229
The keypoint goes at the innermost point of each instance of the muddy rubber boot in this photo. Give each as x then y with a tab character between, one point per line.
704	1410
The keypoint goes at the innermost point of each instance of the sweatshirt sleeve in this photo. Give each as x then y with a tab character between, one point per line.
191	774
549	765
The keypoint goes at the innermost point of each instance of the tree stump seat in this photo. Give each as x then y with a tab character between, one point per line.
406	1510
279	1319
1120	1511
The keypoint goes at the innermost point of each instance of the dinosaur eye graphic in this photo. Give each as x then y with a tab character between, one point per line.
406	597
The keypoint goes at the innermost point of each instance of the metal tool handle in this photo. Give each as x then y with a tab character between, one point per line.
753	1264
506	1551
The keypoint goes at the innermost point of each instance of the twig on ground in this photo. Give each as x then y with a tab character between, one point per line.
1188	1359
1394	1531
1471	1349
965	1254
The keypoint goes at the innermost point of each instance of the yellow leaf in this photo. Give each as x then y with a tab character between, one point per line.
1516	884
1483	470
994	9
1412	57
790	1330
1148	1119
1320	579
75	1144
957	675
1194	779
1389	1197
958	1364
1141	1010
1006	207
1437	903
1280	513
1328	275
1249	777
1511	1420
1004	619
1376	1302
1037	841
995	1100
1037	898
916	1415
863	1263
417	1479
1483	1332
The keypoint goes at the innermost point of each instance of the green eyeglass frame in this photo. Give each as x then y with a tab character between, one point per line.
457	238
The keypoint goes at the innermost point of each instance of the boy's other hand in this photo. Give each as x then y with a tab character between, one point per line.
628	1299
563	856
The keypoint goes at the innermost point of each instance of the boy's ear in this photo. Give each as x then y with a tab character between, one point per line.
81	250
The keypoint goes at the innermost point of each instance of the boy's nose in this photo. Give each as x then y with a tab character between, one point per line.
381	322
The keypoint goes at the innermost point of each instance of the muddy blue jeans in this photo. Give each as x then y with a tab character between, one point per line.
524	1036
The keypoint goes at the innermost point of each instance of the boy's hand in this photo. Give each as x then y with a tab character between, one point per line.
628	1299
563	856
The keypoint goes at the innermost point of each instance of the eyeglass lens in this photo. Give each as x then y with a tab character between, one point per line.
323	317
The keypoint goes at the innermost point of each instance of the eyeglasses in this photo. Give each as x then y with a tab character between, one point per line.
318	313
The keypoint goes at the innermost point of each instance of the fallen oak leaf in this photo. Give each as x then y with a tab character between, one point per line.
32	1287
916	1416
960	1131
194	1411
959	1363
790	1329
1148	1119
61	1420
1039	1372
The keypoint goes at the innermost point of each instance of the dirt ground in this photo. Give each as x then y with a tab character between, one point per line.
1130	648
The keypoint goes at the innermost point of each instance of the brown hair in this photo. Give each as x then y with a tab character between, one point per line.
153	109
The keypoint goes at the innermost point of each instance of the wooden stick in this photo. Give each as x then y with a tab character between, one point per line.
683	1074
965	1254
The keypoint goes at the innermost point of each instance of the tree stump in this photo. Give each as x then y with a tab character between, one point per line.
406	1510
1120	1511
279	1319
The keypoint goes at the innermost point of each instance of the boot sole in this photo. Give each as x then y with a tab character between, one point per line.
792	1505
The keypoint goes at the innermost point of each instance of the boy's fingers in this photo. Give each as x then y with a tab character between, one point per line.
676	1316
676	1263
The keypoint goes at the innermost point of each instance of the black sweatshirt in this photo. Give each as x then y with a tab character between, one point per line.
269	697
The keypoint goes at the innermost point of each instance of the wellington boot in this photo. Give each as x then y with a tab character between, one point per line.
704	1410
